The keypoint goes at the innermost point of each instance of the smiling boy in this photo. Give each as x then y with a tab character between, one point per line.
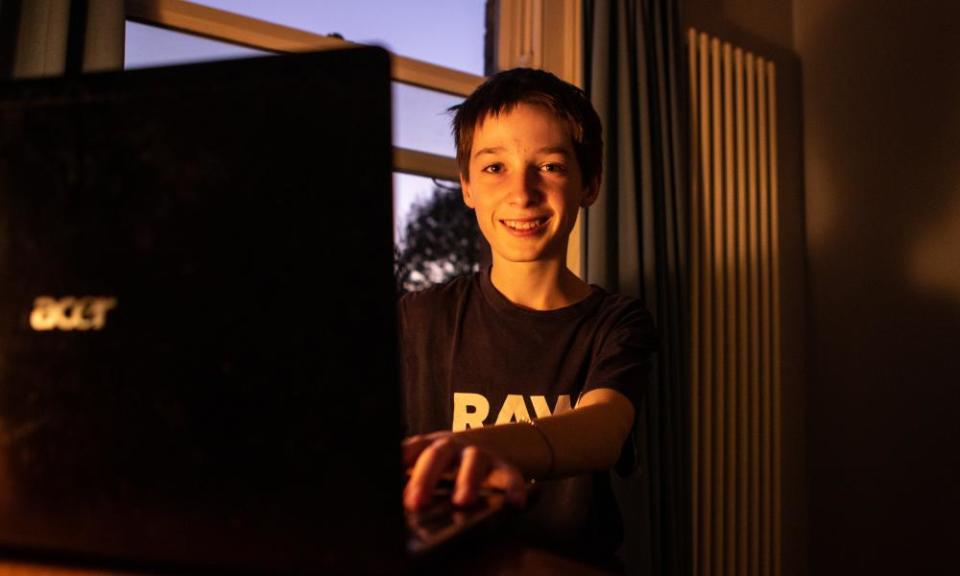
523	371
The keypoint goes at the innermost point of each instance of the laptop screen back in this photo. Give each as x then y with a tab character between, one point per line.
197	349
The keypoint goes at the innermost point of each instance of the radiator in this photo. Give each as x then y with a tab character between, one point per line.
735	311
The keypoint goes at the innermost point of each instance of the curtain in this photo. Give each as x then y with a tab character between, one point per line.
636	244
60	37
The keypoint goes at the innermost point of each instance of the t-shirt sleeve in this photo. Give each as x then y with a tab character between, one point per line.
623	362
624	353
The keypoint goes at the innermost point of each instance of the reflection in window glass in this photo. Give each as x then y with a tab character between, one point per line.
445	32
146	46
436	234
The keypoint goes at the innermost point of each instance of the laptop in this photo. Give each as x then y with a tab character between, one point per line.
198	365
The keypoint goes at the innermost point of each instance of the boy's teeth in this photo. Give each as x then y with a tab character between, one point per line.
518	225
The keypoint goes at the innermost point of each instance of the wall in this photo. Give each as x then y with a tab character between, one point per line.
882	150
757	22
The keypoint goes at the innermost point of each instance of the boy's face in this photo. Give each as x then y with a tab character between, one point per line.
525	184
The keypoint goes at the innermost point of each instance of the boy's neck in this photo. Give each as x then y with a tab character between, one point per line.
538	285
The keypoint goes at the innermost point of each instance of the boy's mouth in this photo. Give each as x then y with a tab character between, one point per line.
525	225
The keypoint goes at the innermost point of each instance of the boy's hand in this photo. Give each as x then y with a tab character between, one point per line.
432	457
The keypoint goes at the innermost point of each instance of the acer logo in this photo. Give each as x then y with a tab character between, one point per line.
71	313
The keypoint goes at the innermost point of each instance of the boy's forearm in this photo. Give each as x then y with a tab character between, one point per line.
587	438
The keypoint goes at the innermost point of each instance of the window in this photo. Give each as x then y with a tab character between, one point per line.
444	32
151	46
437	236
438	48
421	121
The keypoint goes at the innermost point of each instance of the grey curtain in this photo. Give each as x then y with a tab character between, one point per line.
636	237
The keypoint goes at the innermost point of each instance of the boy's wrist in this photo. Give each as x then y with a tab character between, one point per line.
522	444
551	455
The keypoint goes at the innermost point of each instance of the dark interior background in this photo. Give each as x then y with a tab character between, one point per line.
873	421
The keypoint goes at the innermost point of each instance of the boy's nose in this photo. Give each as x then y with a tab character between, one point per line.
526	189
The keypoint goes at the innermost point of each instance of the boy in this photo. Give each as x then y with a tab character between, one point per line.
523	371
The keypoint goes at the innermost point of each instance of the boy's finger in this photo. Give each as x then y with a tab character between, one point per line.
473	467
432	462
508	479
412	447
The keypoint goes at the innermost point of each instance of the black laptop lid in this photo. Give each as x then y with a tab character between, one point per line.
197	350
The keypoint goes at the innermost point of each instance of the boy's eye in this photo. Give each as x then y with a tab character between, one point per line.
553	167
493	168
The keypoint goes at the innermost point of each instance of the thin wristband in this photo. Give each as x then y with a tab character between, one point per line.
546	441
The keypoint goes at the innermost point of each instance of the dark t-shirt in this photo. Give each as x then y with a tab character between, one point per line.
472	358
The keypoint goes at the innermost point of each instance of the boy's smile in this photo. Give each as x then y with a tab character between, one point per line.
525	184
525	227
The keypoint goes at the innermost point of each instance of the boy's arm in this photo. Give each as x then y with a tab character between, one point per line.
586	438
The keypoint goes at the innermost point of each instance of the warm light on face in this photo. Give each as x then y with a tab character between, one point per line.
525	184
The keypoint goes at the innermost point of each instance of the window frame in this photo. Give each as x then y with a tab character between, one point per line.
223	26
520	41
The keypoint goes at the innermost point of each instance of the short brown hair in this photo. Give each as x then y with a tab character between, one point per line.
505	90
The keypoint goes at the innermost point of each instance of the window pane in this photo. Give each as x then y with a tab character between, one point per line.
436	235
421	121
445	32
408	190
151	46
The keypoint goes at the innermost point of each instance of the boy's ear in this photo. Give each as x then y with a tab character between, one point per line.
590	193
467	194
